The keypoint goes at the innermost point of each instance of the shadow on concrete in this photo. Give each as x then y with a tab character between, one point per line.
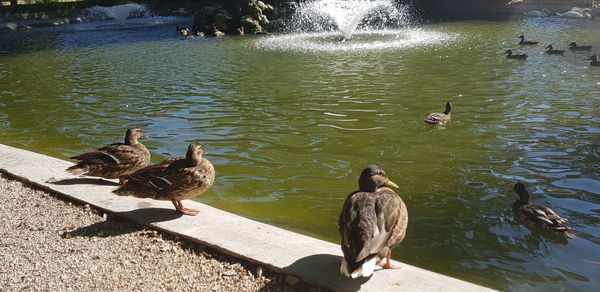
148	216
324	270
108	228
81	181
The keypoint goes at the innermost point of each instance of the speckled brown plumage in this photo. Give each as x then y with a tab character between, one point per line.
440	118
173	179
373	221
114	160
538	216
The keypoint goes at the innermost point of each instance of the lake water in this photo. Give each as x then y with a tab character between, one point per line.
290	121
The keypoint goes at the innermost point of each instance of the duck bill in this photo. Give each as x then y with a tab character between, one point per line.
391	184
144	137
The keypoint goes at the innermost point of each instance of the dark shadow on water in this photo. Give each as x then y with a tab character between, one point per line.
150	215
324	269
83	180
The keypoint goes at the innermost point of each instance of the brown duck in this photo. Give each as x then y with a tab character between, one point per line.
528	42
538	216
551	51
509	55
440	118
115	160
174	179
373	221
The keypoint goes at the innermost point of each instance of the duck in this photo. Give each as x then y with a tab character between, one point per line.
199	34
116	160
509	55
594	61
240	30
373	221
581	14
440	118
524	42
539	217
183	31
217	33
552	51
574	47
537	13
173	179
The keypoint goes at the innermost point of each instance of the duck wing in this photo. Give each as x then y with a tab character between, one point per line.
150	180
117	153
544	217
367	223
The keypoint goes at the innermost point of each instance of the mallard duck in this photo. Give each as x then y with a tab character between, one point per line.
538	216
115	160
240	30
594	61
582	13
183	31
574	47
373	221
524	42
217	33
509	55
552	51
537	13
174	179
440	118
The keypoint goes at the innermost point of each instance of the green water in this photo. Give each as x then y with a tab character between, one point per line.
290	130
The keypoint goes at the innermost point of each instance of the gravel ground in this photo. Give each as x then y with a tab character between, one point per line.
51	244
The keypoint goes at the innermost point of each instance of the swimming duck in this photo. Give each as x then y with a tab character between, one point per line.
538	216
115	160
217	33
552	51
509	55
373	221
594	61
574	47
183	31
524	42
240	30
537	13
174	179
582	13
440	118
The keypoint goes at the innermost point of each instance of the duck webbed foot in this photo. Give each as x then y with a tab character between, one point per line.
185	211
388	263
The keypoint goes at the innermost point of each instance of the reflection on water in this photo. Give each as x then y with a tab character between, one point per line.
289	130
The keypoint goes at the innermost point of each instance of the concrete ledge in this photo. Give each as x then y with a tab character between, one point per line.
313	260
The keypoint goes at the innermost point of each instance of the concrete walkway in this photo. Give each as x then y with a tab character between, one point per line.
313	260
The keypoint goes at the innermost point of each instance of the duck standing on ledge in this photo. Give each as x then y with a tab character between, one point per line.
174	179
524	42
440	118
115	160
552	51
574	47
594	61
509	55
373	221
538	216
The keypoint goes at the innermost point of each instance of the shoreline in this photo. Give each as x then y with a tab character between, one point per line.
52	243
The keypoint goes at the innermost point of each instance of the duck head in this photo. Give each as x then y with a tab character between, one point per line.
549	47
522	37
194	153
573	44
508	52
132	135
521	190
372	178
448	108
593	58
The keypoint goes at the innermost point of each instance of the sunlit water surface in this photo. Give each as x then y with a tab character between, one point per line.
289	122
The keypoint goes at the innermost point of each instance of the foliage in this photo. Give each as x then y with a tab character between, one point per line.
54	5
